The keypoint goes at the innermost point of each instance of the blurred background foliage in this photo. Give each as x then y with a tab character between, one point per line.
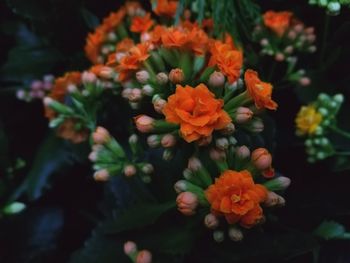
47	36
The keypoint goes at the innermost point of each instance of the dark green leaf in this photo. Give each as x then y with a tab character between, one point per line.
329	230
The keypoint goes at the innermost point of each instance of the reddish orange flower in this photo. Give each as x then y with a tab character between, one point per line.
260	91
197	111
156	34
114	19
278	22
59	90
199	40
227	58
132	61
165	8
141	24
125	45
236	196
93	45
174	38
68	131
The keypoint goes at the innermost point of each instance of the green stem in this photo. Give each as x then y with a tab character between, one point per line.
340	131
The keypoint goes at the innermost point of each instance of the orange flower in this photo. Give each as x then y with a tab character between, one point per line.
59	90
227	58
165	8
174	38
68	131
197	111
132	61
278	22
259	91
236	196
125	45
156	34
141	24
93	45
113	20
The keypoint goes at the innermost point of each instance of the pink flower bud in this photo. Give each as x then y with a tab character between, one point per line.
217	154
229	129
298	28
216	79
187	203
235	234
261	159
47	101
93	156
126	93
142	76
211	221
194	164
148	90
135	95
222	143
311	38
304	81
243	115
101	175
153	141
257	126
101	136
129	170
106	72
272	199
130	248
88	77
204	140
281	201
279	57
144	256
176	76
145	37
283	182
21	94
144	123
180	186
159	104
242	152
309	30
168	140
147	168
292	34
289	49
264	42
36	85
162	78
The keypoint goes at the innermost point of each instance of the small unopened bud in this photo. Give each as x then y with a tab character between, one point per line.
211	221
106	73
130	248
264	42
47	101
126	93
242	115
272	199
148	90
292	35
279	57
180	186
168	154
101	175
147	168
144	256
278	184
304	81
93	156
142	76
133	139
129	170
218	236
312	49
88	77
135	95
257	126
176	76
162	78
101	135
333	8
222	143
229	129
187	203
168	141
144	123
203	141
242	152
309	30
217	154
311	38
159	104
235	234
261	159
281	201
21	94
216	79
194	164
298	28
289	49
153	141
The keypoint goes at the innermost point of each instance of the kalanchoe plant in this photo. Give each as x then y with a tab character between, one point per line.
333	7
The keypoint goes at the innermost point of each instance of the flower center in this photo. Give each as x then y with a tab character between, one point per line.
235	198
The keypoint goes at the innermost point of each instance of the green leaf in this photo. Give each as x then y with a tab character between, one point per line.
329	230
138	216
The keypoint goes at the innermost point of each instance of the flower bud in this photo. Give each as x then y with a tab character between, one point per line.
88	77
187	203
21	94
264	42
222	143
211	221
243	115
309	30
126	93
147	168
101	135
176	76
162	78
304	81
261	159
135	95
130	248
168	140
142	76
257	126
272	199
218	236
298	27
229	129
203	141
144	123
129	170
292	35
279	57
101	175
242	152
180	186
278	184
216	79
168	154
133	139
148	90
194	164
47	101
144	256
289	49
235	234
153	141
217	154
281	201
93	156
106	72
159	104
36	85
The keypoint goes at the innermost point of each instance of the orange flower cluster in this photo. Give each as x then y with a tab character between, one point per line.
236	196
68	131
59	90
141	24
227	58
278	22
165	8
197	111
259	91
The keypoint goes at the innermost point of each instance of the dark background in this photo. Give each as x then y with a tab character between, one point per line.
40	37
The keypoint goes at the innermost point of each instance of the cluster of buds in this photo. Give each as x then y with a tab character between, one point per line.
109	158
315	122
136	256
38	89
333	7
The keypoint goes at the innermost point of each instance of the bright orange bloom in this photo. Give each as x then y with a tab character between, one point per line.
68	131
236	196
132	61
199	41
227	58
132	7
141	24
156	34
259	91
166	8
278	22
112	21
59	90
125	45
197	111
93	44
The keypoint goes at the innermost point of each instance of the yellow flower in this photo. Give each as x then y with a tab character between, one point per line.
307	120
